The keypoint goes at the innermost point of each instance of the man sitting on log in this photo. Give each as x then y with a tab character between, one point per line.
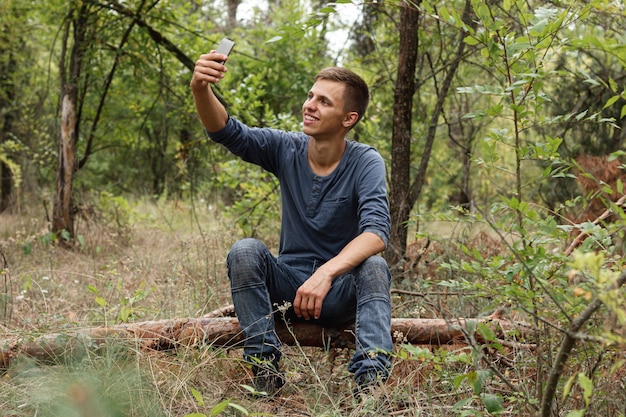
335	220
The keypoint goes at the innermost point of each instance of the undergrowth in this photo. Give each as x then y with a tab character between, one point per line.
169	263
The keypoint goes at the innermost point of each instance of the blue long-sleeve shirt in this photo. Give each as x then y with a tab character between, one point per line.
320	214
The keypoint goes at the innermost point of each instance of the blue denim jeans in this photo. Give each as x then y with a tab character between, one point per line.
260	283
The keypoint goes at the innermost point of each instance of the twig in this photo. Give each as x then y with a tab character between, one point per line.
582	236
426	294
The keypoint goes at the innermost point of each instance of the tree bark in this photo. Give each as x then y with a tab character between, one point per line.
11	40
225	332
76	28
62	216
401	134
232	14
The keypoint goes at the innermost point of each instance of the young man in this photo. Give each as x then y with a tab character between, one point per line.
335	220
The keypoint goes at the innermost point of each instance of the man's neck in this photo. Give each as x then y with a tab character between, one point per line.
324	156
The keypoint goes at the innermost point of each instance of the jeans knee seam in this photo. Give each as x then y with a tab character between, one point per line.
368	299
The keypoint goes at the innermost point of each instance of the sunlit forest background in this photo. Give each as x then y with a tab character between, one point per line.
502	125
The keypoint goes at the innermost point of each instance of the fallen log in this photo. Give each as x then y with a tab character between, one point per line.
225	332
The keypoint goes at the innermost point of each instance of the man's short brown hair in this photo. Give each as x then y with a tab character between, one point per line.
356	96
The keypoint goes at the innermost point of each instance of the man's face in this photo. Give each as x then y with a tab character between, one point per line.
323	111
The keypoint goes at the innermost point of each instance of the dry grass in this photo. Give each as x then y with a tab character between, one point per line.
169	262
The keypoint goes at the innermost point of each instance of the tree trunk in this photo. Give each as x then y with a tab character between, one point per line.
9	42
70	71
403	197
362	38
226	332
232	14
62	215
401	135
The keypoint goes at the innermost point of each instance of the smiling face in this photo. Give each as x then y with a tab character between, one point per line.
324	113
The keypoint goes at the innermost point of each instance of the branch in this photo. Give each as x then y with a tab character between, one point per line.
154	34
567	344
582	236
103	96
416	188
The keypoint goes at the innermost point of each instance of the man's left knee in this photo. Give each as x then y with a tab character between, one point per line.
375	273
376	265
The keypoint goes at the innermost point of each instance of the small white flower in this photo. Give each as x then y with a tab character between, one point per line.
283	308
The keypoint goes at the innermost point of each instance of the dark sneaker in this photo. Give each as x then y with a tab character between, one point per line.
268	379
370	396
366	383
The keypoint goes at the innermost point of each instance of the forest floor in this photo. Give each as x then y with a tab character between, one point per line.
169	262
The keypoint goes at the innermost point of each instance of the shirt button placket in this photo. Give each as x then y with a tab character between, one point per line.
315	194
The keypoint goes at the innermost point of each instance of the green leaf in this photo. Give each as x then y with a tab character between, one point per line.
482	375
492	402
465	90
125	313
581	115
458	380
219	408
417	352
486	332
461	403
587	386
568	387
611	101
513	203
239	408
197	396
444	14
471	40
617	365
249	388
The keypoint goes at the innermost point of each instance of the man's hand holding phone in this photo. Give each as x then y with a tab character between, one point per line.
206	71
210	69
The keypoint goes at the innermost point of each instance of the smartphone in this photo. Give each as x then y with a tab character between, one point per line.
225	46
